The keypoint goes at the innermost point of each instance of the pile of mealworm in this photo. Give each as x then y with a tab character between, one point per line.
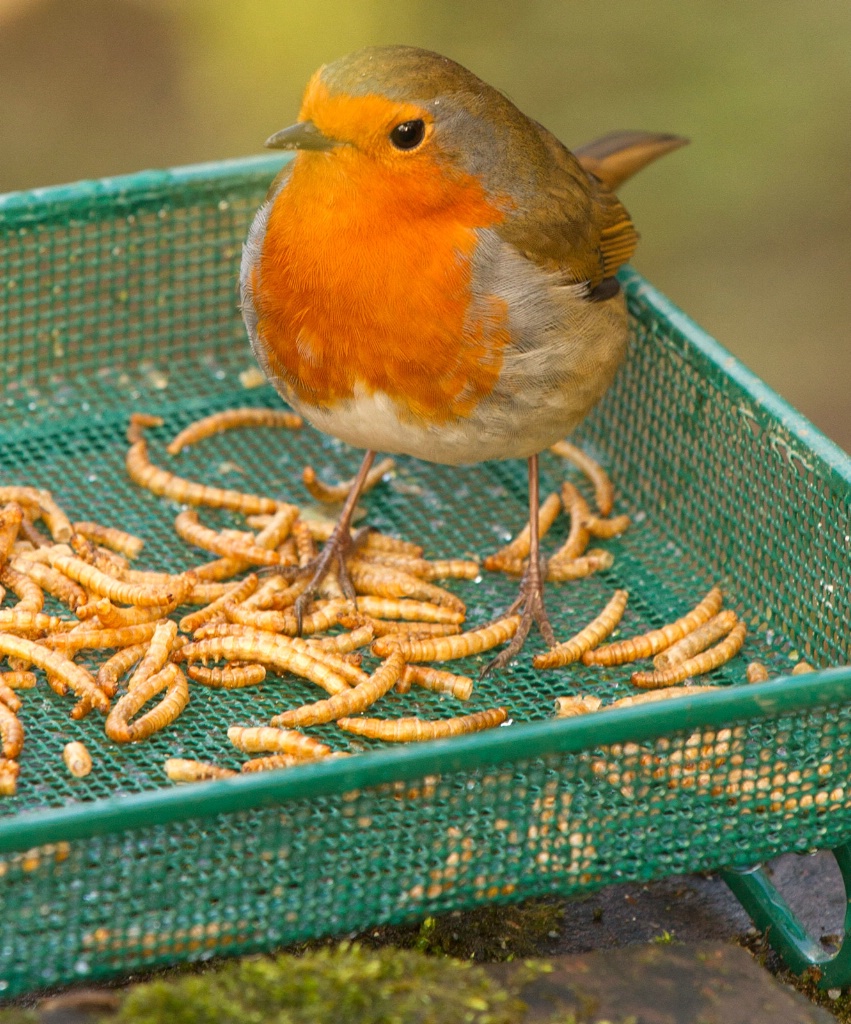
245	617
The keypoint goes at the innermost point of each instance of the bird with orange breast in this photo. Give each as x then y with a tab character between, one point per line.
434	275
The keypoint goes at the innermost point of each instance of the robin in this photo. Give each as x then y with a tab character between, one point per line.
434	275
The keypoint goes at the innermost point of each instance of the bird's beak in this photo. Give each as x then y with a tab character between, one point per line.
302	135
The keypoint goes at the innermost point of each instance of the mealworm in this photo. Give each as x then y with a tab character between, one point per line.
342	643
411	630
188	528
518	548
648	644
9	697
352	673
60	670
802	668
349	702
11	517
55	519
269	650
577	507
231	677
316	621
449	647
77	759
32	535
111	537
382	581
441	569
696	641
53	582
9	770
139	423
604	492
102	639
118	725
598	629
412	730
270	763
571	707
702	663
254	740
157	654
167	485
276	531
11	731
276	594
114	668
333	494
408	611
603	528
203	593
230	419
235	594
18	680
181	769
304	546
31	624
756	672
650	696
102	558
436	680
118	591
114	617
217	570
595	560
29	593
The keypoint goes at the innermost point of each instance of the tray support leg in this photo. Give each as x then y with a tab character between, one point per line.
784	930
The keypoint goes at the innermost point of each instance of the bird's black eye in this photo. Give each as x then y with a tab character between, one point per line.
408	134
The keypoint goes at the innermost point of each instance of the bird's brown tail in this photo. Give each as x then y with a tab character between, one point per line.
617	156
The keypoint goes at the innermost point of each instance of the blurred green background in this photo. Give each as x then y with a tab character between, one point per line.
748	229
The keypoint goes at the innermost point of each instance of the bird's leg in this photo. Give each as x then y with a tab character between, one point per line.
337	546
531	596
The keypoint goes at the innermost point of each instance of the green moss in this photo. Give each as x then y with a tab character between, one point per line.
350	983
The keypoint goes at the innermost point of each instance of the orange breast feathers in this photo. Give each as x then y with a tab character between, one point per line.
364	285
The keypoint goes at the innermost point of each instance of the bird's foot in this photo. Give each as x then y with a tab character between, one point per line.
330	562
531	601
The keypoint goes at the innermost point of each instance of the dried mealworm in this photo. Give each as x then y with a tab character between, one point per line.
342	643
60	670
802	668
449	647
349	702
181	769
756	672
696	641
118	591
271	762
189	528
139	423
114	617
596	630
30	624
412	730
111	537
604	492
650	696
77	759
317	621
604	529
220	569
231	677
352	673
269	650
383	581
114	668
172	680
102	558
321	529
11	731
159	481
157	654
231	419
702	663
205	593
275	593
332	494
595	560
408	611
9	697
264	738
55	519
102	639
577	507
572	707
29	593
53	582
518	548
304	545
18	680
436	680
11	517
412	630
648	644
235	594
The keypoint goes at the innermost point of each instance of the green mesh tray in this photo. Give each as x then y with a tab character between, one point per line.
121	295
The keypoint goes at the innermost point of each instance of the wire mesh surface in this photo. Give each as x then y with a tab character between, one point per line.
119	297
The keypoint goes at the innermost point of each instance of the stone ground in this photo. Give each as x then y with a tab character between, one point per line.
668	952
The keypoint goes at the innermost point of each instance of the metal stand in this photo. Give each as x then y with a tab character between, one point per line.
784	930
